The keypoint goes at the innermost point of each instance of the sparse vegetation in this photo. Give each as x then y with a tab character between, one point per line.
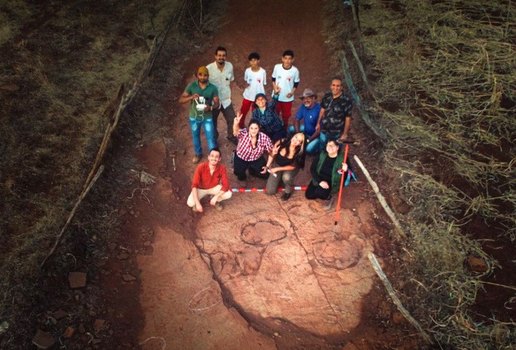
443	78
61	66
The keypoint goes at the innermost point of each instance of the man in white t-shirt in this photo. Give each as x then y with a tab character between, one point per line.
285	77
256	79
221	75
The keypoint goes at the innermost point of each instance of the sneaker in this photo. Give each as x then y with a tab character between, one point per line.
232	139
286	196
219	206
196	159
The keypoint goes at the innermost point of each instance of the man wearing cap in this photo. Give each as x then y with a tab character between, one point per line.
204	98
308	112
335	115
266	116
221	75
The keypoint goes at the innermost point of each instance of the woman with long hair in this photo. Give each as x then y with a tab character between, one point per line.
251	147
284	162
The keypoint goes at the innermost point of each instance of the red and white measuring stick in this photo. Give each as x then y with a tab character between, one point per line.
254	189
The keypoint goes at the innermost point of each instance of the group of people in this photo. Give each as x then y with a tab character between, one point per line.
268	147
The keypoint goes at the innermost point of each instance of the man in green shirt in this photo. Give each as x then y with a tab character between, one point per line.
203	97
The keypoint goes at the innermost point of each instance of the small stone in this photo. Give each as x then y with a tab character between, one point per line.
476	264
59	314
9	87
127	277
147	243
276	334
69	332
99	325
43	340
4	326
122	255
77	280
397	318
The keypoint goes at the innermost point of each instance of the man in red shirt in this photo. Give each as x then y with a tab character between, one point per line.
210	178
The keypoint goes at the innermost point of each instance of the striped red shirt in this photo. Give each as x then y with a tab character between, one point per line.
245	150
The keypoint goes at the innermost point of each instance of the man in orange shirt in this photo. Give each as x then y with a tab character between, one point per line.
210	178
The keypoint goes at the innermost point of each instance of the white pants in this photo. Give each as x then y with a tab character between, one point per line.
201	193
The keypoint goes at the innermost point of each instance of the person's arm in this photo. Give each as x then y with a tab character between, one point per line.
321	116
296	84
236	127
215	104
293	91
195	196
186	97
347	125
270	158
282	168
351	112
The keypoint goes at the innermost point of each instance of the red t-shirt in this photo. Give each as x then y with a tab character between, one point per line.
204	180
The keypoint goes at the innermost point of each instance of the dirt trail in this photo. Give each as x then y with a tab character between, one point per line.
262	274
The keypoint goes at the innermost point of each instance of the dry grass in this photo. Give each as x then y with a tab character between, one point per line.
445	94
60	67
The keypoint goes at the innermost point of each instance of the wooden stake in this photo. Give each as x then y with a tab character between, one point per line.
388	286
381	199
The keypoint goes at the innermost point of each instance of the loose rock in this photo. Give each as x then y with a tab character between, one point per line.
69	332
476	264
127	277
43	340
77	280
99	325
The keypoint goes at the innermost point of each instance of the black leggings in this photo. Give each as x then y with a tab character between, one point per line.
255	167
314	191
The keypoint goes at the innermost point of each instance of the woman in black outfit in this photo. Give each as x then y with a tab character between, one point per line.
326	171
283	164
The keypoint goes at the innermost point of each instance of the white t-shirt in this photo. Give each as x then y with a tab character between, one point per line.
222	80
256	81
285	79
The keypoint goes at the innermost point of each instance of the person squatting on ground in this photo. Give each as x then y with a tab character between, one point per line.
251	147
283	164
265	115
308	112
326	171
256	79
221	75
285	79
210	178
335	115
203	98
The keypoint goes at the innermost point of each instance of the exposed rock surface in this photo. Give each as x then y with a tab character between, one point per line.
277	262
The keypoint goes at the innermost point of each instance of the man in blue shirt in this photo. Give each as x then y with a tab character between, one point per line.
309	114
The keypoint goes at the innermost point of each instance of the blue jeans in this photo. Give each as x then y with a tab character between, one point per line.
317	145
209	132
